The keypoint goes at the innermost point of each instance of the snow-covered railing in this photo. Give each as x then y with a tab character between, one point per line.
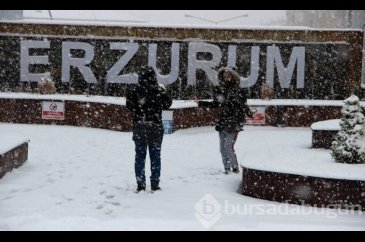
176	104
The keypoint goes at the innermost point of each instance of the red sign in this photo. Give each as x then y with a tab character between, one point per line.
53	110
258	117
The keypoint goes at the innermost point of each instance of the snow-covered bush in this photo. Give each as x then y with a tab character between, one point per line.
361	144
46	86
349	144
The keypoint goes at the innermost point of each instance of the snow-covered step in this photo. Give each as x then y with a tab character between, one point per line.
324	132
13	152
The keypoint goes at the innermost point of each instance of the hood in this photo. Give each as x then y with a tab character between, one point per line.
236	78
147	76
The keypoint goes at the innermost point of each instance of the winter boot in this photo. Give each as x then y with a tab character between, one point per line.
236	170
141	187
227	171
155	187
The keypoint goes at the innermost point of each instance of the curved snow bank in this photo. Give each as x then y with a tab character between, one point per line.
317	163
287	150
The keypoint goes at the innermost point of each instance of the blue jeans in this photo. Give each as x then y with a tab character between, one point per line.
227	142
155	156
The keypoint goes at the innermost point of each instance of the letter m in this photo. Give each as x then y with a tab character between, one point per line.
285	74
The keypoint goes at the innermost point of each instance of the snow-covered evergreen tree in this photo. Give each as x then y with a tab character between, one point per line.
349	144
361	144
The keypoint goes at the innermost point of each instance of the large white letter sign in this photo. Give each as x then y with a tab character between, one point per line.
175	57
255	65
206	66
113	74
285	73
80	63
26	59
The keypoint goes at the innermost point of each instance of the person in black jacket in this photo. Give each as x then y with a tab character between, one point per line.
146	101
232	103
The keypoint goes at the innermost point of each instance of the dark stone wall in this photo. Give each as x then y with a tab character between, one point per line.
14	158
96	115
304	190
323	138
119	118
299	116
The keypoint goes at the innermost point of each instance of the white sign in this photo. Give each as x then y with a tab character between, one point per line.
53	110
258	117
296	64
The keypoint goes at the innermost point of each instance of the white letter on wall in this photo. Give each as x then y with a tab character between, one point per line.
80	63
113	74
255	65
285	73
206	66
175	55
26	60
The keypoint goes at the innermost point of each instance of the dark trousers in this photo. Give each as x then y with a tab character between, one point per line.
155	156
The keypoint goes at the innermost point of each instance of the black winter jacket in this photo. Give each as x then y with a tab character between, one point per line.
146	101
232	104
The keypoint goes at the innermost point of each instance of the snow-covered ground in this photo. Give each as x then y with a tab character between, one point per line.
83	179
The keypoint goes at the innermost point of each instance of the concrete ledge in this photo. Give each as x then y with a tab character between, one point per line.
323	138
304	190
323	133
14	158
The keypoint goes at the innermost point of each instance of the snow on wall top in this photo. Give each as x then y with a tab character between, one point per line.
177	104
82	98
298	102
310	162
333	124
9	142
